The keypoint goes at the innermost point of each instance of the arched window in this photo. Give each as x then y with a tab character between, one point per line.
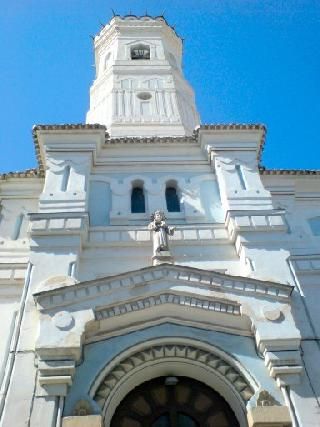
138	204
172	199
189	403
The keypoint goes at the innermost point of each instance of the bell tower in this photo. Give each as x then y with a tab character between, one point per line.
139	89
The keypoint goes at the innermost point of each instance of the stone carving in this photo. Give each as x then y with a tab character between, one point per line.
155	353
160	232
82	408
63	320
216	281
166	298
274	315
266	399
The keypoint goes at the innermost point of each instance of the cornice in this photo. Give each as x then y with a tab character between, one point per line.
231	126
39	172
28	173
65	295
168	298
236	127
301	172
152	140
60	127
69	126
133	20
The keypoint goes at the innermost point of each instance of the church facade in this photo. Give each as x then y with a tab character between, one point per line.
152	273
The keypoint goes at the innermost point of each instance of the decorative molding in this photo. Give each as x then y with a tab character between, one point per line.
153	140
134	21
111	235
167	298
28	173
285	366
266	399
55	376
273	315
306	264
270	416
82	421
12	273
82	408
231	126
168	351
57	223
236	127
255	221
213	280
264	171
39	172
55	127
63	320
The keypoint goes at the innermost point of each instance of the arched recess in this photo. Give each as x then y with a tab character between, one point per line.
172	197
173	401
138	200
99	203
173	357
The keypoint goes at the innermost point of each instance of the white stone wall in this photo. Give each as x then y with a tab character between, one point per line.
245	279
18	198
232	220
141	97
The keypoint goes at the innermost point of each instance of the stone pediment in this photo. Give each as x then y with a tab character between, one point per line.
163	293
173	280
72	314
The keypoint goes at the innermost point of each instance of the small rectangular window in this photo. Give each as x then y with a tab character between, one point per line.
140	51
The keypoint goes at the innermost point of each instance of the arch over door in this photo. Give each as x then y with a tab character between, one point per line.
173	402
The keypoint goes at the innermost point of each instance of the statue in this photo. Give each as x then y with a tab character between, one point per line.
161	231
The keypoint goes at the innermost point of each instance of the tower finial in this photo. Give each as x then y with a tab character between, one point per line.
113	12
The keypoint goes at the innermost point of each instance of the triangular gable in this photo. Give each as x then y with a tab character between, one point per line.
220	286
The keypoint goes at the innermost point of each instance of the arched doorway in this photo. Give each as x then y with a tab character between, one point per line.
173	402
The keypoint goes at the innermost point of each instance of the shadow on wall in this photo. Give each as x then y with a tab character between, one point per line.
99	203
210	201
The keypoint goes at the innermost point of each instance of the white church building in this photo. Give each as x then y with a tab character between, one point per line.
152	273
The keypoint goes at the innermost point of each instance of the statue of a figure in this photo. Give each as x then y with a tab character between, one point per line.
160	232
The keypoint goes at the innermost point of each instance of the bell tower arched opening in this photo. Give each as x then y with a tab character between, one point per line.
173	402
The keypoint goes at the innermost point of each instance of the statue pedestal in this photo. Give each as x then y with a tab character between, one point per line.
162	257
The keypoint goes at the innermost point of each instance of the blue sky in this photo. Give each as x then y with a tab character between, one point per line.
249	61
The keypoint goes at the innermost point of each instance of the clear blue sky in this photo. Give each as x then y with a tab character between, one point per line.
248	60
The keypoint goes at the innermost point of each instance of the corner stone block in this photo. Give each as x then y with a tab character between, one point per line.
242	221
269	416
74	223
57	223
82	421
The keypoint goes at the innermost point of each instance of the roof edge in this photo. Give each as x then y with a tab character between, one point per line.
303	172
238	127
39	171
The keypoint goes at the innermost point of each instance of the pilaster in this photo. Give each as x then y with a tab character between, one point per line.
257	231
